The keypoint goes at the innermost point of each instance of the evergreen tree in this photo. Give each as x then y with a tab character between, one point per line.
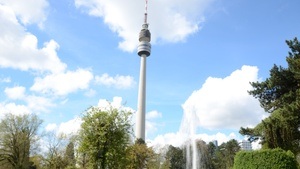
175	157
70	155
280	95
224	154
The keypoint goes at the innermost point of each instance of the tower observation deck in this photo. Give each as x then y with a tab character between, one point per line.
144	50
144	47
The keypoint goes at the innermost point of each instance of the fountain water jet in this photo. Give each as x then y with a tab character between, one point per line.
188	131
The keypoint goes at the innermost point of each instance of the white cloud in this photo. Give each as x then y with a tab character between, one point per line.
19	49
17	92
170	20
67	129
70	127
14	109
5	80
119	82
220	137
151	125
256	145
221	103
63	83
51	127
178	139
225	103
29	11
153	115
115	103
90	93
105	104
33	103
174	139
39	104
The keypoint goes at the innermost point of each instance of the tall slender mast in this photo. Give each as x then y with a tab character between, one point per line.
144	50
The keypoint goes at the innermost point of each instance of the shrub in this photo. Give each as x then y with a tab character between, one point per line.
265	159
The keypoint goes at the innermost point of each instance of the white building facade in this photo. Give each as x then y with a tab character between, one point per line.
245	145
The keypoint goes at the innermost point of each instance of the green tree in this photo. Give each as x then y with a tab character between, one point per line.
203	159
38	161
70	155
18	135
279	95
231	148
140	156
212	148
224	154
104	137
82	160
175	157
54	155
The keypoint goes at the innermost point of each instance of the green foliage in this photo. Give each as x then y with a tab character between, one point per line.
280	95
203	152
38	161
54	156
224	155
210	156
175	157
18	134
267	159
82	160
140	156
211	150
69	156
104	137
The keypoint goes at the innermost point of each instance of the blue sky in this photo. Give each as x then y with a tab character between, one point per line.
57	58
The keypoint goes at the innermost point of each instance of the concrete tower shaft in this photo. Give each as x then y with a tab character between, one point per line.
144	50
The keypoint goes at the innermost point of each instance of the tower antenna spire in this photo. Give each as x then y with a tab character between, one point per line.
146	12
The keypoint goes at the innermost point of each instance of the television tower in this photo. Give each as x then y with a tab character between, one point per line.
144	50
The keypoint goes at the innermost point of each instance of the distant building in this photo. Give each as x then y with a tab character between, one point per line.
215	142
245	145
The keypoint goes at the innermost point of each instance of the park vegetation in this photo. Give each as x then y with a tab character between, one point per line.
279	95
106	139
266	158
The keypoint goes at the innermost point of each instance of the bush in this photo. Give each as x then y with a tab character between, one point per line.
265	159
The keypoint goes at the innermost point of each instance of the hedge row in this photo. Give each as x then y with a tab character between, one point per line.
265	159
